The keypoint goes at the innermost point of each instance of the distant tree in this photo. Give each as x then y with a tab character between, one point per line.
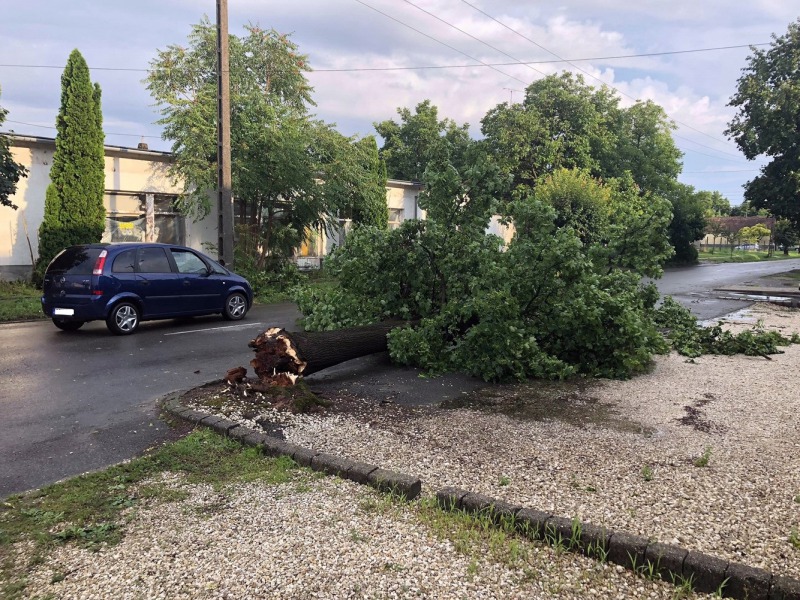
73	207
716	205
10	171
748	209
767	97
292	175
688	222
754	233
785	235
410	145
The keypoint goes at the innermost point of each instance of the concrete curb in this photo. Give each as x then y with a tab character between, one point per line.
671	563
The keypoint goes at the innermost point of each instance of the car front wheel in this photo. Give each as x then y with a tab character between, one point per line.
123	319
67	325
235	307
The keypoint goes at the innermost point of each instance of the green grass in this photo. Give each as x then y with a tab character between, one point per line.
19	301
88	510
725	256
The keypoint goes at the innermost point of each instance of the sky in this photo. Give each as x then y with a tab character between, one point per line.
368	58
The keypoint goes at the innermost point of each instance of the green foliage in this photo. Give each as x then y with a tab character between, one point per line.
692	340
703	460
419	138
10	171
766	100
73	210
553	303
785	235
292	176
19	300
688	222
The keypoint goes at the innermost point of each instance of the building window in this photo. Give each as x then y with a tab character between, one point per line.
395	217
127	218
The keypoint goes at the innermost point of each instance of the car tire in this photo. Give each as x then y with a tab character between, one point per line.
67	325
123	318
235	307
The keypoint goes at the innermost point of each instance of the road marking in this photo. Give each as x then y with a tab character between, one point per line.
244	326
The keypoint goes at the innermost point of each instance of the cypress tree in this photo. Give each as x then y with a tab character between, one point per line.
73	207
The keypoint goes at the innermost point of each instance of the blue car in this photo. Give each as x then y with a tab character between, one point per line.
125	284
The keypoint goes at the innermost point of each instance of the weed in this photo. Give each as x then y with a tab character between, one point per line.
554	539
357	536
719	592
472	569
504	480
794	538
575	536
797	499
647	473
702	461
684	586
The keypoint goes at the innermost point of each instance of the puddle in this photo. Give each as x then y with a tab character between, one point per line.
570	402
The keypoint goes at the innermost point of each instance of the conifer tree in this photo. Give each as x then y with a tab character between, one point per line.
73	208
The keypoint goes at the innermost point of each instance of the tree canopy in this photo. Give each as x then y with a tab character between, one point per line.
73	208
292	175
765	124
10	170
420	137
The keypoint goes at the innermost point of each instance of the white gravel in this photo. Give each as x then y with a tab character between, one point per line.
632	469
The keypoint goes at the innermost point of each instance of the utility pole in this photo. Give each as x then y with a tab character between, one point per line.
224	195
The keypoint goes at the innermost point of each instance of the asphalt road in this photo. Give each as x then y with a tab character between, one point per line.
74	402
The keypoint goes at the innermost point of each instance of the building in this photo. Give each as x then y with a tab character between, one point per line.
140	206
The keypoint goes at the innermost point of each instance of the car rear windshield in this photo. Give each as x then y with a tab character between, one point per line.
75	261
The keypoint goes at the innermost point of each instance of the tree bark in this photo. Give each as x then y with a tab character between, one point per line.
282	357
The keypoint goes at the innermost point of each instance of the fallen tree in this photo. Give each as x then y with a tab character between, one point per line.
283	356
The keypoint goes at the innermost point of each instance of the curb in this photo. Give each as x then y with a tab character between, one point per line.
708	574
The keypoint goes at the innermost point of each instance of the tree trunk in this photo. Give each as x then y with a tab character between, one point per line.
282	357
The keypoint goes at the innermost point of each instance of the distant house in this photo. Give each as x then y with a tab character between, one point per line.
140	206
721	231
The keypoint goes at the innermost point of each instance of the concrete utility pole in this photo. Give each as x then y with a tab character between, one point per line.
224	195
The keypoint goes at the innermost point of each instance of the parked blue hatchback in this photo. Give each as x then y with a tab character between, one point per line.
124	284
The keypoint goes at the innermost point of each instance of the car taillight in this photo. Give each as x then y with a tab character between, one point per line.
101	260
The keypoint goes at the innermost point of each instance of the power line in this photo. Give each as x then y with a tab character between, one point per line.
155	137
388	16
515	63
472	36
574	66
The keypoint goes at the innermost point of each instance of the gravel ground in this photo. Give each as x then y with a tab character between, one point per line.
624	454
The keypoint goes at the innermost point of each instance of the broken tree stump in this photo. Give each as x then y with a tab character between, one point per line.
282	357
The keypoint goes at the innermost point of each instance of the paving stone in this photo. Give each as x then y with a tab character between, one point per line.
255	438
396	483
747	582
667	559
330	463
302	456
594	541
359	471
531	522
239	432
558	531
627	549
223	426
784	588
707	572
476	503
449	498
274	447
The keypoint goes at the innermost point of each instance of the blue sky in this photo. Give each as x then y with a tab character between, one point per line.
119	38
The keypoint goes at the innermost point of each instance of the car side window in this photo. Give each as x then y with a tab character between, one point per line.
153	260
125	262
188	262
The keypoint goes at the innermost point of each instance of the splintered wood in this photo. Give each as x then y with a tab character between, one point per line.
282	357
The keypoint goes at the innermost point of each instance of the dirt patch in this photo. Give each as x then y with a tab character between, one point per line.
696	418
571	402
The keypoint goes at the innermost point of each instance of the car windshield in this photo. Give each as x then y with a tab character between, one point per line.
77	260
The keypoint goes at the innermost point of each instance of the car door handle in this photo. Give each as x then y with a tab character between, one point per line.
186	283
145	282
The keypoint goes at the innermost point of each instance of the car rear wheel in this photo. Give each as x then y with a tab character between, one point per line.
123	319
67	325
235	307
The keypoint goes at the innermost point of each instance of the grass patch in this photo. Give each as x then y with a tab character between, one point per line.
89	510
19	301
